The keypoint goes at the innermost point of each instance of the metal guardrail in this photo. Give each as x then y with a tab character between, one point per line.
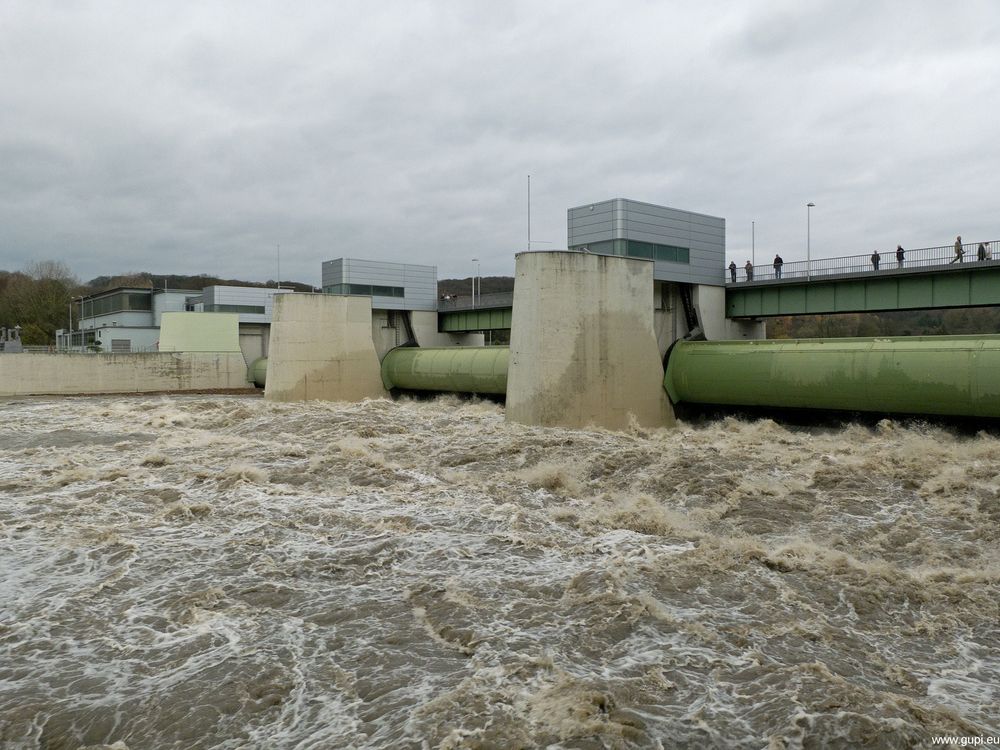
53	349
482	301
924	257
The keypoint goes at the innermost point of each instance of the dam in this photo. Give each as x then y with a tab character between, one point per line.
609	359
635	318
327	567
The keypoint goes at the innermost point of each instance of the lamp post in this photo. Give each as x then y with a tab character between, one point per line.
809	207
69	338
753	242
476	261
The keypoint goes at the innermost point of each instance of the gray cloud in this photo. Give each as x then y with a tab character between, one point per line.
177	137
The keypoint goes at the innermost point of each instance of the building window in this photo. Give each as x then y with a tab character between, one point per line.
120	302
249	309
637	249
366	290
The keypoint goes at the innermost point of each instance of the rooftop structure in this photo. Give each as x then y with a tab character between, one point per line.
253	304
684	246
392	286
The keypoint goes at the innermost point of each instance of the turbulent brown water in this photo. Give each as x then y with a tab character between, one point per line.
197	572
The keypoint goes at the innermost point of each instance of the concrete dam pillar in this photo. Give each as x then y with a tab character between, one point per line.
321	348
583	349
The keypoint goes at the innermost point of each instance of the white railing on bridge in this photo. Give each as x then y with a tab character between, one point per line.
924	257
492	300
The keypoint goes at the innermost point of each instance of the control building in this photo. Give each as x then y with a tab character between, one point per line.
127	319
688	251
684	246
404	301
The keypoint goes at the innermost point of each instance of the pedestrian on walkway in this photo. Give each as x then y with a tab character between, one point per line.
875	259
749	269
900	255
982	254
778	263
732	270
959	250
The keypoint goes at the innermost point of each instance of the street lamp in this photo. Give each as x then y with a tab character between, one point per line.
476	261
809	208
69	338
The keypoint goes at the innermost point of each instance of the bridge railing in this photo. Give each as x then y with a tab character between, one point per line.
484	301
851	264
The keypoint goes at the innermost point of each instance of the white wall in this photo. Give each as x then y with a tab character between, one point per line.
62	374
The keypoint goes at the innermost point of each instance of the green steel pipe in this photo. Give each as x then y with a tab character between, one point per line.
456	369
258	372
946	375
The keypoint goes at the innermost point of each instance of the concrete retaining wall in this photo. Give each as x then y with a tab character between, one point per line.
30	374
583	350
321	348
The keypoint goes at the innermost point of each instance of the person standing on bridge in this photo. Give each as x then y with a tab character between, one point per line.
732	270
959	250
778	263
900	256
875	259
982	254
749	269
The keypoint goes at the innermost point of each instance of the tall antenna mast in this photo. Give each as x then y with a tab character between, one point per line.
529	212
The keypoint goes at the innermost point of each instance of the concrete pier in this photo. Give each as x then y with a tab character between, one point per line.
583	349
321	348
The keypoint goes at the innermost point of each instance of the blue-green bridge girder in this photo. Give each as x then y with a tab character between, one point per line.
461	321
970	286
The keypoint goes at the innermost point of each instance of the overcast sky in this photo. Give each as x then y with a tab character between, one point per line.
194	137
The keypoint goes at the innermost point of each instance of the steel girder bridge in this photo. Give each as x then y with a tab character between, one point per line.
925	279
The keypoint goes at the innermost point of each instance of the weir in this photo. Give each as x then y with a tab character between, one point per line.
584	352
634	318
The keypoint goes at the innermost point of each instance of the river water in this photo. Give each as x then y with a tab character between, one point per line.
224	572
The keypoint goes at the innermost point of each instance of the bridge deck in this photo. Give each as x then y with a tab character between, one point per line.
927	278
967	284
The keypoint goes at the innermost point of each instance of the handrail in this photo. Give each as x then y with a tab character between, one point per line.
923	257
488	301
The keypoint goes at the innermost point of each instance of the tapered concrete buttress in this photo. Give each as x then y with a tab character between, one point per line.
321	348
583	349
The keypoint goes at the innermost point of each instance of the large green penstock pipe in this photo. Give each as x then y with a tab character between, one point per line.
457	369
947	375
258	372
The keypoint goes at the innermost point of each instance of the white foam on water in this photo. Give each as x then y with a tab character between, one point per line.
199	572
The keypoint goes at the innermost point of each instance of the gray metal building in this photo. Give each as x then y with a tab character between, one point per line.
253	303
392	286
685	246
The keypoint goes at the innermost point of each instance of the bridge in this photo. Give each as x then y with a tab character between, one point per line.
484	312
926	278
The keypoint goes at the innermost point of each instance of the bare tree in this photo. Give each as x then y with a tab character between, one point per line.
38	300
